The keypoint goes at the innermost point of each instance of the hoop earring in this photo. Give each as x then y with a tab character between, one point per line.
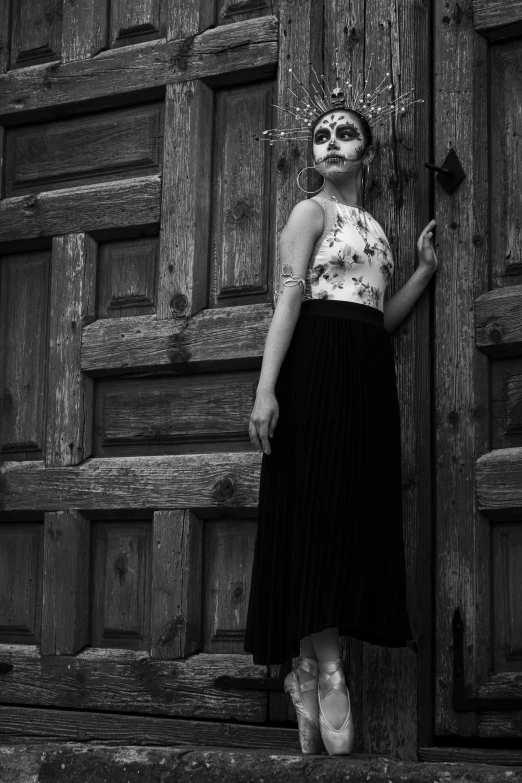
309	191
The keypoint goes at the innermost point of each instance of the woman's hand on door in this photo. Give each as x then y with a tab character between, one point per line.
425	250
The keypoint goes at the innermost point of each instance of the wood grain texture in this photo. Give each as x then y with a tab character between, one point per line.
397	195
87	726
66	583
506	161
461	372
24	319
204	482
240	48
219	339
499	483
492	16
186	200
228	560
35	32
498	322
84	30
104	146
177	565
21	559
72	305
508	757
117	204
199	412
134	21
129	681
121	584
188	17
5	28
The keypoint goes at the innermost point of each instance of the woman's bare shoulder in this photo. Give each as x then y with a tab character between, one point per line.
307	215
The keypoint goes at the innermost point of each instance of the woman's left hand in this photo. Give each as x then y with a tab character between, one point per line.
425	251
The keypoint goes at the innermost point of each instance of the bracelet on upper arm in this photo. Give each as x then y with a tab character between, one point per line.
292	280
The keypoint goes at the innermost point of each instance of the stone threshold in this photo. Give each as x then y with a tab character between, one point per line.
64	762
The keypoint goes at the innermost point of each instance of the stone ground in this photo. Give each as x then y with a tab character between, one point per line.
66	762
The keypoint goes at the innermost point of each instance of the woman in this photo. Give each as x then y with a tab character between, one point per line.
329	556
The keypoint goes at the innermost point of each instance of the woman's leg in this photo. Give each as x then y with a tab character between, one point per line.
326	645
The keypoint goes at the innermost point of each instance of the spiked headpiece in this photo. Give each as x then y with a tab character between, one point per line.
319	99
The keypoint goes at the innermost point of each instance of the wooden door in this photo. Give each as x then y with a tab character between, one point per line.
478	355
138	226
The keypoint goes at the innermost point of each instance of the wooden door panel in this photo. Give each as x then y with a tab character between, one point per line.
507	597
36	32
241	264
176	415
24	317
96	147
229	556
21	559
478	380
127	277
133	21
121	585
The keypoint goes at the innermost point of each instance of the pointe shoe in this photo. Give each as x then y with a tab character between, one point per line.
308	723
338	742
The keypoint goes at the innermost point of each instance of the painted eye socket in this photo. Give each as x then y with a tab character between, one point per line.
321	137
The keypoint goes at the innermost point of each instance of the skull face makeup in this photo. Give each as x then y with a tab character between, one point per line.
338	144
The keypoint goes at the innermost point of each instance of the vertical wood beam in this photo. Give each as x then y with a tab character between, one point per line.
5	33
84	29
461	371
177	563
69	406
300	42
65	609
186	198
189	17
398	198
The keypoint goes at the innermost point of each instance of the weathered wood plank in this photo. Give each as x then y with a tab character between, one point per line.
300	43
497	18
103	205
35	32
5	7
69	398
84	30
186	18
21	559
66	583
498	321
177	562
397	39
461	395
143	730
121	584
204	482
501	724
499	483
506	757
241	49
222	338
129	681
186	199
24	318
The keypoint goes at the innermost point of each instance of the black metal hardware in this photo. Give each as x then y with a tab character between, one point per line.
462	702
250	683
451	173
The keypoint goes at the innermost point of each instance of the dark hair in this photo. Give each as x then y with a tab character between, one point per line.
366	130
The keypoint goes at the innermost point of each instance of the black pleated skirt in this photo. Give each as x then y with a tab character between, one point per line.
329	549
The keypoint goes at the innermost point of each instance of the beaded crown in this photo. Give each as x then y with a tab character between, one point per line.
318	99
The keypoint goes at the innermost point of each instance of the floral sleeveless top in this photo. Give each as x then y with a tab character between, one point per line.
352	260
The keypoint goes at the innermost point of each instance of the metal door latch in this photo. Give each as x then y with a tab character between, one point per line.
451	173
